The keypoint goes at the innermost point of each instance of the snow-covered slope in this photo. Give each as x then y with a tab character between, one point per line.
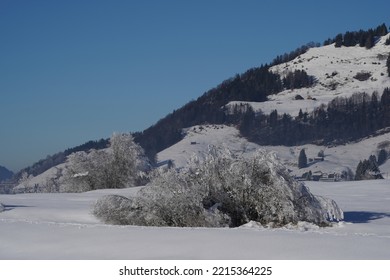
43	182
337	158
197	140
334	69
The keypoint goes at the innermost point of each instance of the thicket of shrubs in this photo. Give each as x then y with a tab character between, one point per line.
220	190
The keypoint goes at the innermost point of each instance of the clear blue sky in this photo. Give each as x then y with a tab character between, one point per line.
78	70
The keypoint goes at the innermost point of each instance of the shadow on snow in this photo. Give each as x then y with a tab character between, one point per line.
359	217
10	207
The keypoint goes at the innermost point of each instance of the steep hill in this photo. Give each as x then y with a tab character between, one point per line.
284	103
339	72
309	78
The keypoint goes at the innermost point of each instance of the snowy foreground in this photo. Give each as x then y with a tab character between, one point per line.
60	226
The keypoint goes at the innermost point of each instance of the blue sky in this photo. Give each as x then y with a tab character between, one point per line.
73	71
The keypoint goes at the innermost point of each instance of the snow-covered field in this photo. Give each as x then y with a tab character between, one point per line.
60	226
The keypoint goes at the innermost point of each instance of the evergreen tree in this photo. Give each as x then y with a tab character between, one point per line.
381	30
382	156
368	169
388	65
339	40
359	171
302	159
369	41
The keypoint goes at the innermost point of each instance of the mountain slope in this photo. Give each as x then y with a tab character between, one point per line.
336	71
197	140
341	159
324	72
5	174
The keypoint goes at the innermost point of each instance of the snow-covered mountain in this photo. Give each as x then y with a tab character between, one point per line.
335	71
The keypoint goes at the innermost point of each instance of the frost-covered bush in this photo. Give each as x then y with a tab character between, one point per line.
227	190
114	209
115	167
173	199
258	188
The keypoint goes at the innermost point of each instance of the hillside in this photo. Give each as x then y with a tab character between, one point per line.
284	103
337	159
336	71
5	174
315	76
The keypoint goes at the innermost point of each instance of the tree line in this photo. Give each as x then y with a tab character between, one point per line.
363	38
342	120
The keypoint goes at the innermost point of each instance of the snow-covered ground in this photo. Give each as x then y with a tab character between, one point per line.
197	140
60	226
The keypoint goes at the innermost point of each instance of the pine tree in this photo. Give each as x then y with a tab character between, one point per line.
381	30
302	160
339	40
368	169
382	156
388	65
369	41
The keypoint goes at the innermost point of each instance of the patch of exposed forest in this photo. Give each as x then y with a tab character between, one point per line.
341	121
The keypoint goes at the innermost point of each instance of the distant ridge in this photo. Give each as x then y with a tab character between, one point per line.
5	174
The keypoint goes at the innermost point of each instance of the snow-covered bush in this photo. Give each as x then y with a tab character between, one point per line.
173	199
114	209
223	189
1	207
258	188
115	167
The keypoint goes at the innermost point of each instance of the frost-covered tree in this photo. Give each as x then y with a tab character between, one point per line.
223	189
115	167
125	160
